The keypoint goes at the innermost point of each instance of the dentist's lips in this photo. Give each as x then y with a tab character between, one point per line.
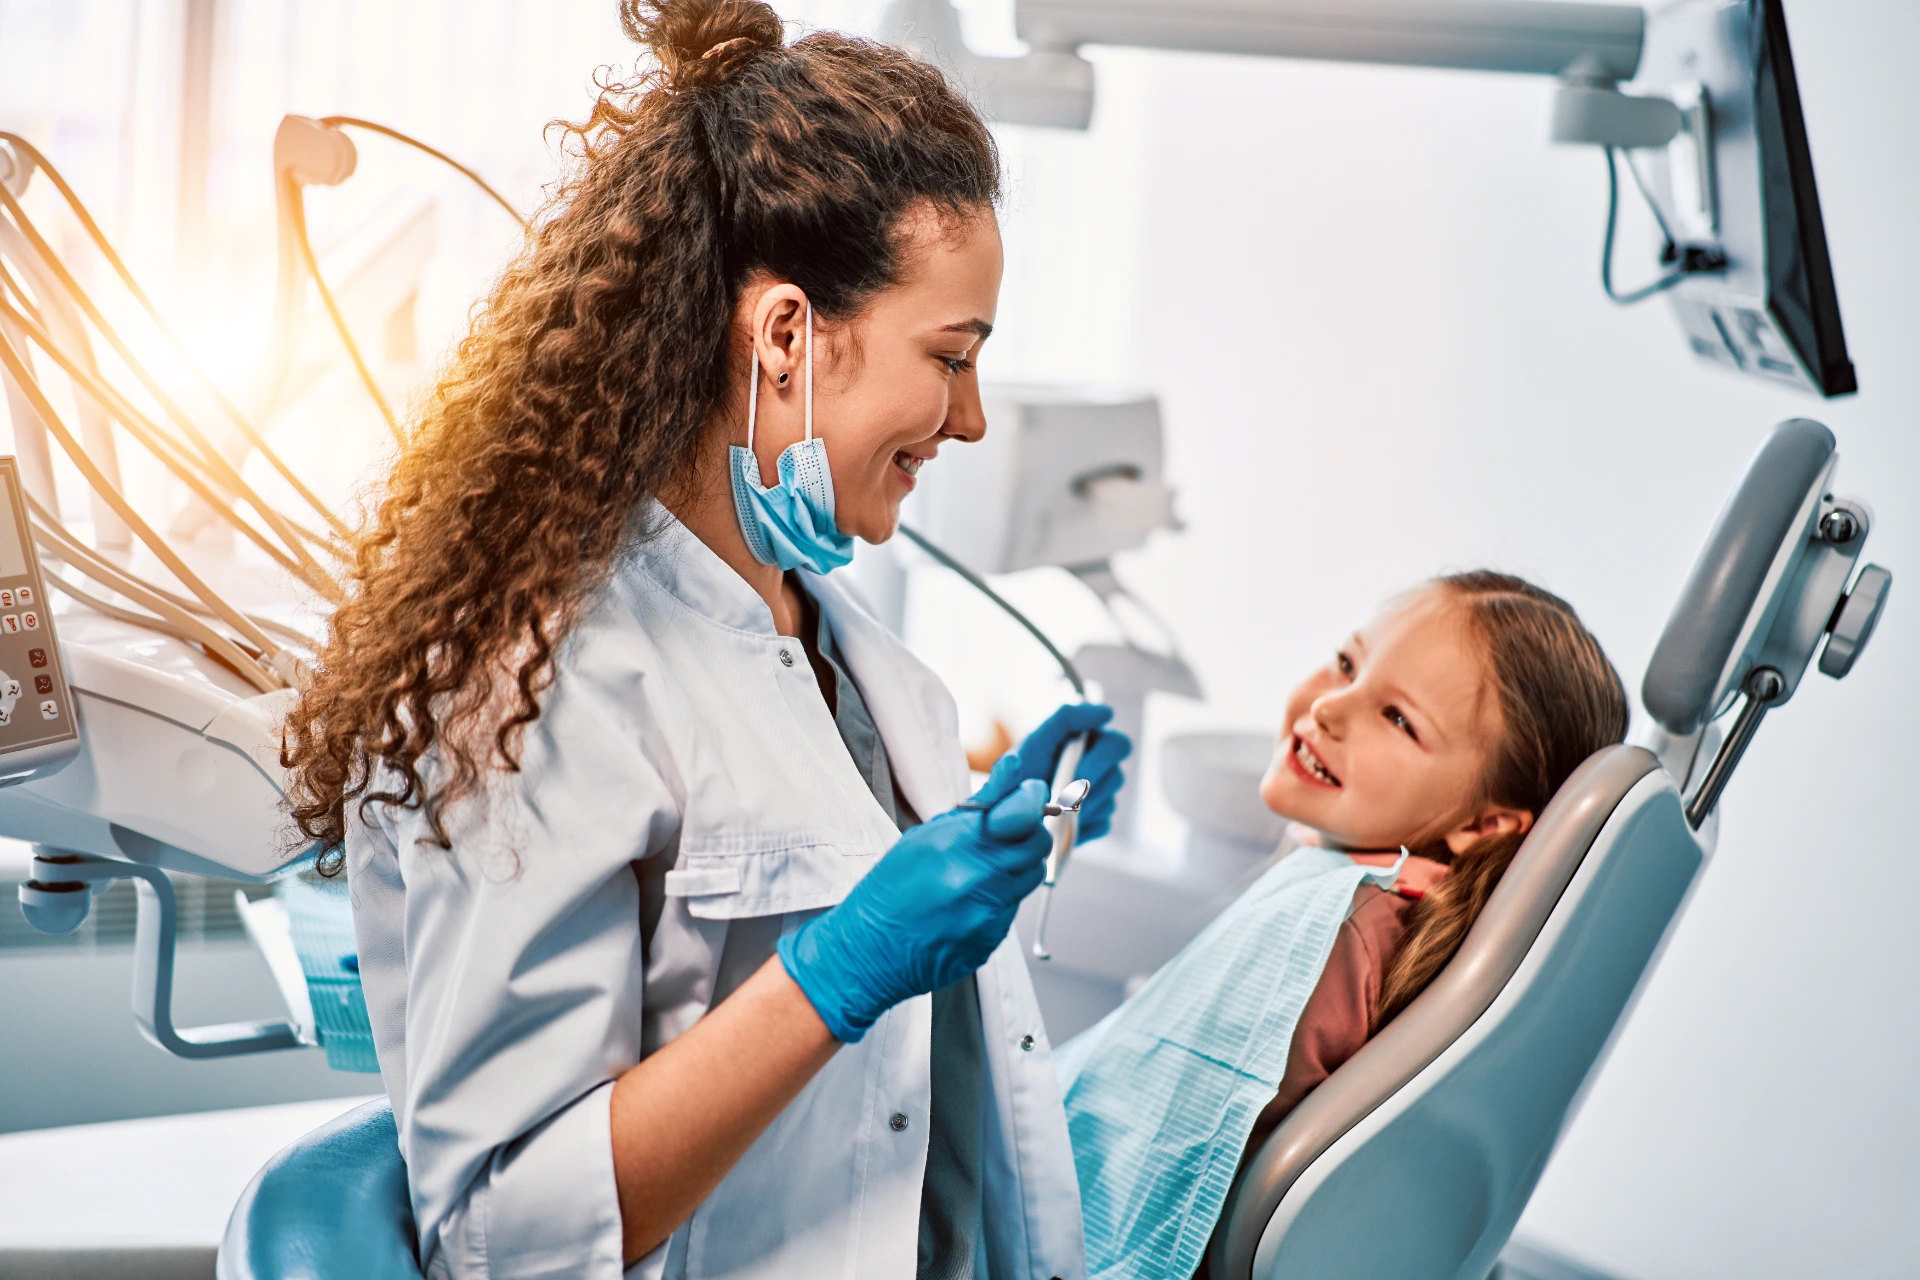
907	466
1308	767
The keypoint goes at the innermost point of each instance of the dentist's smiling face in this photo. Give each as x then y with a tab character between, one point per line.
897	381
1388	743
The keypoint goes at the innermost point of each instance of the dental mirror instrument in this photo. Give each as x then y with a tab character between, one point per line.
1068	796
1065	811
1071	797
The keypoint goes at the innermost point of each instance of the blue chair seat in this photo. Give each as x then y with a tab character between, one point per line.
332	1206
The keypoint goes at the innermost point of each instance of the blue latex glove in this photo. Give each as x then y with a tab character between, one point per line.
929	913
1039	755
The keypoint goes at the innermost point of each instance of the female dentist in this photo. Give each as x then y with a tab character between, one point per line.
620	777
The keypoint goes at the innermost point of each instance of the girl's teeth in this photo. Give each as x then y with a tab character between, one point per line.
1313	766
909	463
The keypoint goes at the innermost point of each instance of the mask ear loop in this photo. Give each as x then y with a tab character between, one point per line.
753	392
753	383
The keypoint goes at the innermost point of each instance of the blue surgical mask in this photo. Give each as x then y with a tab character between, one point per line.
791	524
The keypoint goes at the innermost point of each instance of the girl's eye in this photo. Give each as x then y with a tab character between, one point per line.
956	367
1400	722
1344	665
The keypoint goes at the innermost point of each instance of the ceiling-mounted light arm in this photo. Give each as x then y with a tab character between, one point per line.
1594	45
1527	37
1590	47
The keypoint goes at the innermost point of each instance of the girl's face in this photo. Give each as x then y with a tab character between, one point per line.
1388	744
896	382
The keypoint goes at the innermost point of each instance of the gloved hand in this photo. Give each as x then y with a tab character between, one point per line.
929	913
1039	755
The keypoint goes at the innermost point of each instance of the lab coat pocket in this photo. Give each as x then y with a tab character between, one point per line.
737	878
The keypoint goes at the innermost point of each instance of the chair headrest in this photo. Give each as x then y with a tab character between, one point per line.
1739	578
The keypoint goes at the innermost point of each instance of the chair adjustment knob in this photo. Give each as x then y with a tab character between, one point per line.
1854	621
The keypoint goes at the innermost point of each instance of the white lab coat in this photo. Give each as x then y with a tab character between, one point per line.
683	798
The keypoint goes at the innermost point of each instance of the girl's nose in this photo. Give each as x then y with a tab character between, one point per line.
1328	712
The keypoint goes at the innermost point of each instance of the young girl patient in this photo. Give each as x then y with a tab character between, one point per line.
1417	760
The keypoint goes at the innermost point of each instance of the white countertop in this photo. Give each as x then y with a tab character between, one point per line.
163	1181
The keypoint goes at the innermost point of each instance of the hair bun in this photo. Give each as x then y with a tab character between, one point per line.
701	42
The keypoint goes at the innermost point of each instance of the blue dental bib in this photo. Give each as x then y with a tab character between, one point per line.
1162	1094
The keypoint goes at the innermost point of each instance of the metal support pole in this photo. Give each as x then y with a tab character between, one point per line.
199	28
1763	687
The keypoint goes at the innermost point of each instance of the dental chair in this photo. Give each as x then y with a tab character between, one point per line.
1451	1111
332	1205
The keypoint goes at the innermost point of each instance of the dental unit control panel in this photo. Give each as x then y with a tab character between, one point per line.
37	727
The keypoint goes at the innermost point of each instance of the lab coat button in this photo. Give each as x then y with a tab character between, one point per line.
897	1121
786	657
1026	1043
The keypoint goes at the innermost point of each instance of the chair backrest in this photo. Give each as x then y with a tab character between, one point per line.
333	1204
1449	1114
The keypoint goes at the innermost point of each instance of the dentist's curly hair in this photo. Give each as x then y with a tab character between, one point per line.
591	375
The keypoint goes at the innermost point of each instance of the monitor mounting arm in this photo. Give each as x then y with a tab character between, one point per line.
1589	47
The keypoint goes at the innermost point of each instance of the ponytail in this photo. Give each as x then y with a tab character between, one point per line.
1560	701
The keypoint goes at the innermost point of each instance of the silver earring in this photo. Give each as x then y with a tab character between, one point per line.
783	379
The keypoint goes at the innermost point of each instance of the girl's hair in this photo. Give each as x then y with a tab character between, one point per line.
586	381
1560	701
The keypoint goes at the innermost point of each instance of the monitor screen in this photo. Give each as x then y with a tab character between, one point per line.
1739	181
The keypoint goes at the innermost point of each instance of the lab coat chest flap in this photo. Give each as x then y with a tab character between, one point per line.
775	818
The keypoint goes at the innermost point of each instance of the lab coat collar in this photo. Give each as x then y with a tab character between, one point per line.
910	707
687	568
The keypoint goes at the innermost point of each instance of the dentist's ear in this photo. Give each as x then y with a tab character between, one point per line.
780	332
1495	820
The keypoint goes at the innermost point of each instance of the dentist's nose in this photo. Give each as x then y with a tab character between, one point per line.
966	415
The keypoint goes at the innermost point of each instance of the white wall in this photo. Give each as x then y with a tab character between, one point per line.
1369	300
